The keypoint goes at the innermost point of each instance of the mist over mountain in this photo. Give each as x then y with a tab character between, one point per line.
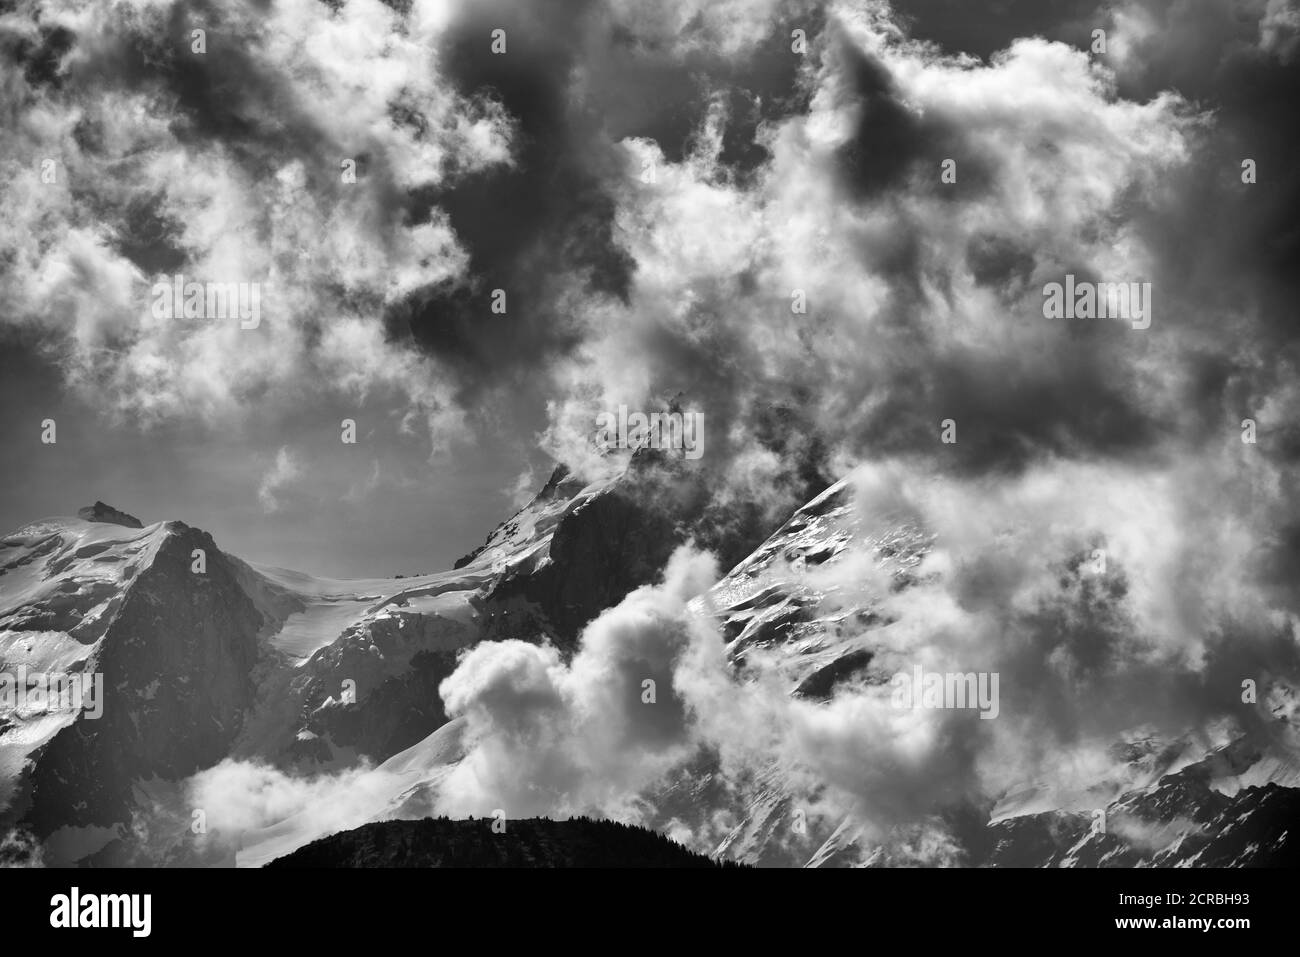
819	432
751	717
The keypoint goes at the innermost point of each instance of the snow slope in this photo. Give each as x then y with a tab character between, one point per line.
62	580
783	612
399	789
244	660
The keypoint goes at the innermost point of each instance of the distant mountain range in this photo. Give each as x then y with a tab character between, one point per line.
206	656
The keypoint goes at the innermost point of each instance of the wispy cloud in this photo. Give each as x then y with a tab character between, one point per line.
279	478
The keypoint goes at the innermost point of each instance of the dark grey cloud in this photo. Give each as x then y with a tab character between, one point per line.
575	81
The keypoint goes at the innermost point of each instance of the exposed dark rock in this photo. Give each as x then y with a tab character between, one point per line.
822	682
1182	822
599	552
391	713
99	512
176	661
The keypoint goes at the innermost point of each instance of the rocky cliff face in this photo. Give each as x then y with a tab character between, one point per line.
172	638
594	544
605	542
396	663
1181	823
573	551
791	613
99	512
176	659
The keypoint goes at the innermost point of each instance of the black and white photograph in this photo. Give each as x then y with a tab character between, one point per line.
727	435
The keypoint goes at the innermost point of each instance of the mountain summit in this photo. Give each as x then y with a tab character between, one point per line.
99	512
205	657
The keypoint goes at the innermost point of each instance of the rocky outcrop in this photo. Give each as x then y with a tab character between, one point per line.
610	540
176	660
1180	823
603	547
99	512
395	663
